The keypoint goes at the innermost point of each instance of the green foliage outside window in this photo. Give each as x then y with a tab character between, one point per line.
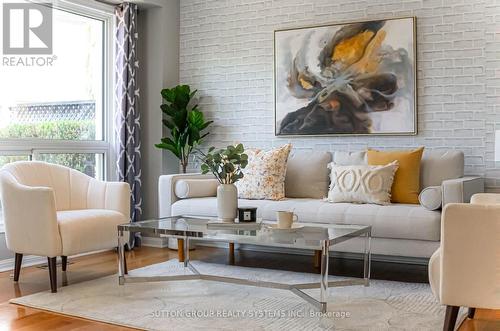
4	159
59	130
64	130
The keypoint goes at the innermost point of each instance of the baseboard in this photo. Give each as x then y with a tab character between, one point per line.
33	260
492	189
384	258
28	261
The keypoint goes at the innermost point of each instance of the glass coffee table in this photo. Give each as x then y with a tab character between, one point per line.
309	236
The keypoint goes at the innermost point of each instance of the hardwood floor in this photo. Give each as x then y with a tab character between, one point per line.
35	279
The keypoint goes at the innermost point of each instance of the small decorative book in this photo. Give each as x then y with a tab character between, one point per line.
247	214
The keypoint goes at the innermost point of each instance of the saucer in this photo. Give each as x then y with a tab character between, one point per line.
294	227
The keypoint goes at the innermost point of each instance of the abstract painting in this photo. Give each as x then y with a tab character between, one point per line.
353	78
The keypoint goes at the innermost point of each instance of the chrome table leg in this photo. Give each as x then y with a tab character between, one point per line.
121	258
325	251
367	258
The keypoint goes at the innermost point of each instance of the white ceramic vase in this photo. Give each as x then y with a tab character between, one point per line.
227	202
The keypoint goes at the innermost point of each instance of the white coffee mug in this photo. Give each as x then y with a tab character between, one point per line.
285	219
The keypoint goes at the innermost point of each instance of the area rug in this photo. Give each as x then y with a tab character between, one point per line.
207	305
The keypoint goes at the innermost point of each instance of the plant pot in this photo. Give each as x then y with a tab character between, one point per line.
227	202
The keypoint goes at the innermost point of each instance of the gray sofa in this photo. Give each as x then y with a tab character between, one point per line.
399	231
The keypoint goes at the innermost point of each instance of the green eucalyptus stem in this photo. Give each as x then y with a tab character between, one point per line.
225	164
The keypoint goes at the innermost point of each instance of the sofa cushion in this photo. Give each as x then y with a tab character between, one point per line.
307	174
349	158
431	197
406	184
403	221
264	176
361	183
196	188
440	165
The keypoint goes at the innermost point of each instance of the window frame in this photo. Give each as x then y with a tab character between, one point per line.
33	146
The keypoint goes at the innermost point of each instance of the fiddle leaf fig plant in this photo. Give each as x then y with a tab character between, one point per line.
186	123
225	164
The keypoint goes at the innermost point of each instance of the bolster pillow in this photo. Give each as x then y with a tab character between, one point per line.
196	188
431	197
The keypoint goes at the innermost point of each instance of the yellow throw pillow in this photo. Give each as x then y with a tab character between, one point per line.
406	186
264	176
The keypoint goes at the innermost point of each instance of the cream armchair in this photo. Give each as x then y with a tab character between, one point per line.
465	270
51	210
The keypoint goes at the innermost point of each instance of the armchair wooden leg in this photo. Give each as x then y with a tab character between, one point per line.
17	266
450	318
64	262
52	273
471	313
180	249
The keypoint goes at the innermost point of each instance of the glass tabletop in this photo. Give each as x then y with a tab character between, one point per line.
303	235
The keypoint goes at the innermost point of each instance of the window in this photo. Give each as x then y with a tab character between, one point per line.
90	164
4	159
63	100
61	113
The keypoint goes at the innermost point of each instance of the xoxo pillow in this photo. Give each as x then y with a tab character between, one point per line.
362	183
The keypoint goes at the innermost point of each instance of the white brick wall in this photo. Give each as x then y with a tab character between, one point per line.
226	52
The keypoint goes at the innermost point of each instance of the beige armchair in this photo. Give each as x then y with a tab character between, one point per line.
465	270
51	210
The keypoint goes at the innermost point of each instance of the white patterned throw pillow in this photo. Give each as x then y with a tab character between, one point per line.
362	183
264	176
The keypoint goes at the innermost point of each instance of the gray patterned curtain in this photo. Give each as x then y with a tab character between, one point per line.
127	116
